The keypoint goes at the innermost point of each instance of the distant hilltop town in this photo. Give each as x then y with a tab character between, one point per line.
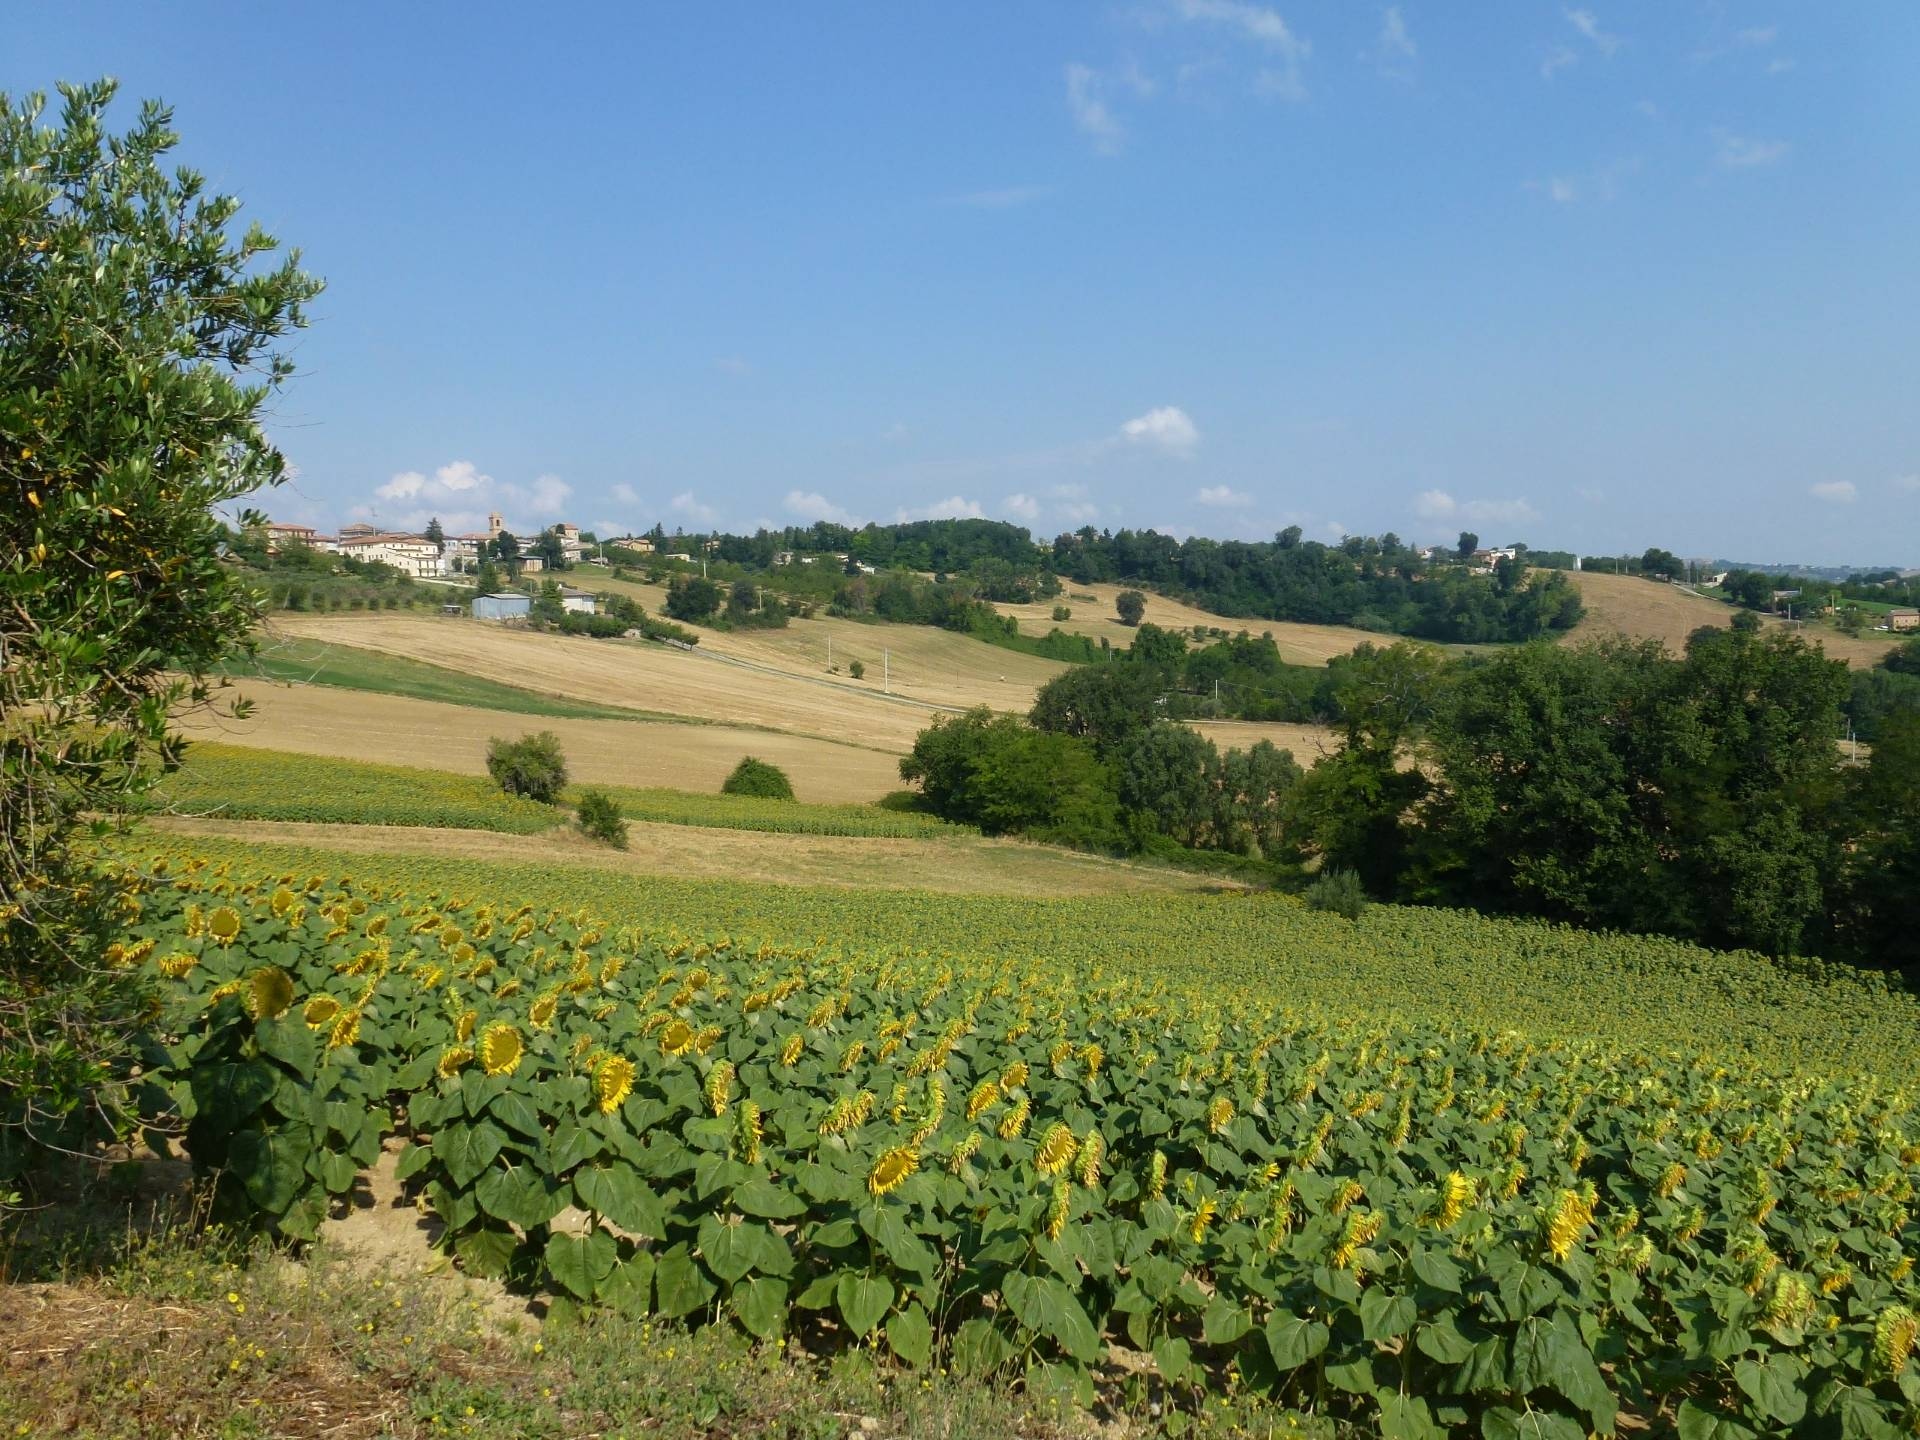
431	553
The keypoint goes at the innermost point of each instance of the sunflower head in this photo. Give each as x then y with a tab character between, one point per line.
677	1038
345	1031
283	900
269	993
500	1049
1893	1336
1058	1209
453	1060
1219	1114
1056	1150
540	1014
747	1131
891	1170
177	965
224	924
720	1087
790	1052
612	1083
319	1012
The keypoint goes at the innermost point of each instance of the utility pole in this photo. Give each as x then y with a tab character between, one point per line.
829	654
886	671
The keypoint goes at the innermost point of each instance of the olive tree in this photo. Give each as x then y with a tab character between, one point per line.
141	335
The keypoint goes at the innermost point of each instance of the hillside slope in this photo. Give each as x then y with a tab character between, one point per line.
1649	609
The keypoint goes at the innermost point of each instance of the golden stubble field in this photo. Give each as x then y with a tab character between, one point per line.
397	730
1647	609
1096	619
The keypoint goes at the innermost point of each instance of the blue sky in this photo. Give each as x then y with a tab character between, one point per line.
1596	276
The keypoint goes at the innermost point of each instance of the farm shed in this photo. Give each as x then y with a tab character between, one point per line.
501	607
577	602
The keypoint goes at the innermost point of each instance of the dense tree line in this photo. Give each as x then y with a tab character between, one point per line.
1382	585
1611	785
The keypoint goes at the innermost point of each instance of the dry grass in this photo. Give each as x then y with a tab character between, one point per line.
1299	644
638	673
961	865
1648	609
1310	744
355	725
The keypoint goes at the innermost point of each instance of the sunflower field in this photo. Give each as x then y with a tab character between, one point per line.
1075	1175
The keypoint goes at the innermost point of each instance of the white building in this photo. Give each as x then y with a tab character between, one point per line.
410	554
577	602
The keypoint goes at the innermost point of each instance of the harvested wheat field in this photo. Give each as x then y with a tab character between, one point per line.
1650	609
642	674
1299	644
962	865
1310	744
356	725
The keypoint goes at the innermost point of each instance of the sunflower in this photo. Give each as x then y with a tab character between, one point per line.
1157	1176
891	1170
346	1029
1456	1193
612	1083
1057	1149
319	1012
1203	1215
176	965
747	1131
984	1096
677	1038
964	1151
463	1027
790	1051
224	924
1058	1209
1014	1123
283	901
1219	1114
1092	1151
500	1049
269	993
1014	1076
720	1087
453	1060
540	1014
1564	1225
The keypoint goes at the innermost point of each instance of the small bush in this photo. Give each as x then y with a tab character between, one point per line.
857	670
531	766
600	818
1338	892
1130	605
903	802
1062	612
757	777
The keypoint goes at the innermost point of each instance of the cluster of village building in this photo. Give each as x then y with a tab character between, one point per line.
424	558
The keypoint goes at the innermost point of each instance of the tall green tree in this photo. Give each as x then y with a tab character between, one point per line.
141	334
1169	775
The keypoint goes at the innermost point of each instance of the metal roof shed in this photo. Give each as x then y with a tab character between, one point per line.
502	607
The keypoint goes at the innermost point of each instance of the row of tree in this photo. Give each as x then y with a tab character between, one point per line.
1610	785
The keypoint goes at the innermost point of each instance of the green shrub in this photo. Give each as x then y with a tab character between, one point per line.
757	777
531	766
857	670
1338	892
1062	612
600	818
1130	605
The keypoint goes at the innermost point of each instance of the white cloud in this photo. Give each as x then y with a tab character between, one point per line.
1394	52
1588	24
1073	503
812	505
954	507
1265	27
1223	495
1835	492
1439	505
1647	110
1601	185
1757	35
1092	115
1007	198
1907	482
733	365
626	493
605	529
1021	507
1168	429
685	503
1558	58
1738	152
459	494
1779	66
